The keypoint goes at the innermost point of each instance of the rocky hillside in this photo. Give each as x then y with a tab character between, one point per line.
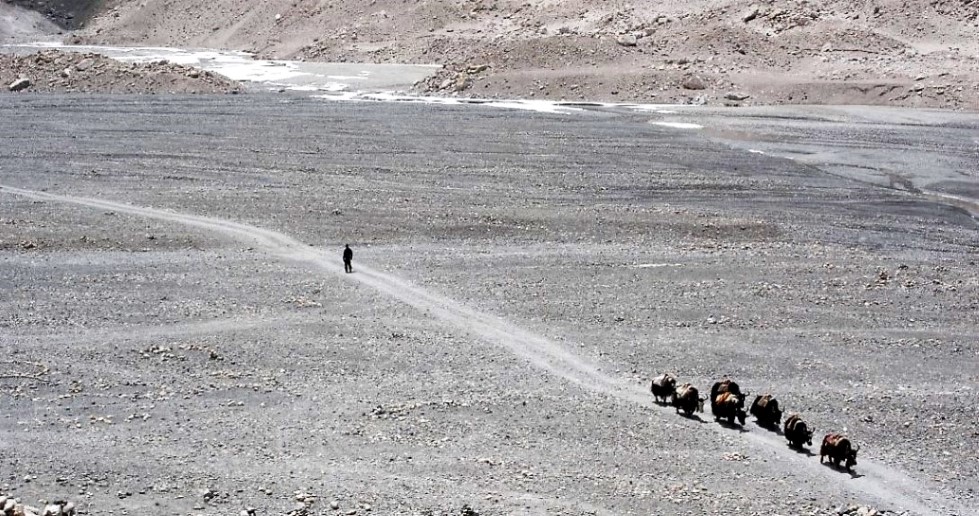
906	52
70	14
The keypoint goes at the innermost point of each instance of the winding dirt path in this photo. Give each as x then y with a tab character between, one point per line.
876	481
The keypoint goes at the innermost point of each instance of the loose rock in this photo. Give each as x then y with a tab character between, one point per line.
20	84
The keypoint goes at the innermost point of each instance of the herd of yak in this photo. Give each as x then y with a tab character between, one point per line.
727	403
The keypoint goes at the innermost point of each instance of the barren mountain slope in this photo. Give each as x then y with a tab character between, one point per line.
907	52
69	14
18	24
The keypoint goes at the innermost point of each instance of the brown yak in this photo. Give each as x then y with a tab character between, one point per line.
725	385
687	398
728	406
839	449
766	411
662	387
797	432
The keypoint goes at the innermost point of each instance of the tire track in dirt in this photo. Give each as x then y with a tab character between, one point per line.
884	485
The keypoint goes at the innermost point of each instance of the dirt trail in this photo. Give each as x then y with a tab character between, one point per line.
875	480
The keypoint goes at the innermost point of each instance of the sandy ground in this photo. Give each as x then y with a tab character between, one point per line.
186	342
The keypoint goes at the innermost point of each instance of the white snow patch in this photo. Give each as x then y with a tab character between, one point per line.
346	95
679	125
541	106
330	86
665	109
756	151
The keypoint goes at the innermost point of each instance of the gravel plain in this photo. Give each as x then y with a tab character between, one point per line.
179	338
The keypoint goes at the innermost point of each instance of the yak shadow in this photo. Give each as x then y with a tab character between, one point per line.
802	450
841	469
771	428
692	417
732	426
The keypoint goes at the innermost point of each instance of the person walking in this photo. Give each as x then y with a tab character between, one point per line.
348	257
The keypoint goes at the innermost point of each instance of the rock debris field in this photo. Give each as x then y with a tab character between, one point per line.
179	336
54	71
915	53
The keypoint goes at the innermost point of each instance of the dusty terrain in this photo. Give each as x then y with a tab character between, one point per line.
894	52
179	338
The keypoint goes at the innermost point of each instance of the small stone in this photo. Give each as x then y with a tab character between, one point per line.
335	505
738	97
693	83
750	14
627	40
84	64
462	82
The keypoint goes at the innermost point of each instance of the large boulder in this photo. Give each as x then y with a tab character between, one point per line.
20	84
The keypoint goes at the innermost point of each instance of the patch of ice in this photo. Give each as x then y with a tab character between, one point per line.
347	95
541	106
254	71
678	125
330	87
665	109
